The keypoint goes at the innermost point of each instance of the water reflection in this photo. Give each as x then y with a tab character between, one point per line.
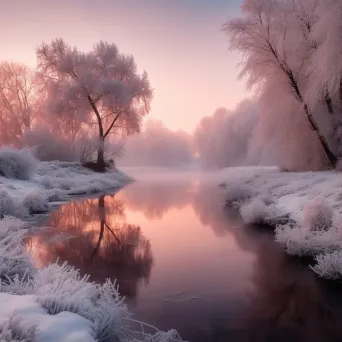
155	199
288	302
97	242
210	277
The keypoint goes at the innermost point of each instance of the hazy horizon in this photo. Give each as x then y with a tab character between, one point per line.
179	44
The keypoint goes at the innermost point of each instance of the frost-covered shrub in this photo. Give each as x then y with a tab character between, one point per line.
255	211
237	193
14	329
48	146
299	241
318	215
14	261
109	322
9	206
329	265
293	238
36	202
261	210
18	164
61	288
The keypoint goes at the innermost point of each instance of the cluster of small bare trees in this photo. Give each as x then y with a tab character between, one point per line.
84	101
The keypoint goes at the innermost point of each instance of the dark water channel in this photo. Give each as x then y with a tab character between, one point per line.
184	261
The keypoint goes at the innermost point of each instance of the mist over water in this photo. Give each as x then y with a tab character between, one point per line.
157	146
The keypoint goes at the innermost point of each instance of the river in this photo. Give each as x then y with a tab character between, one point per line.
185	261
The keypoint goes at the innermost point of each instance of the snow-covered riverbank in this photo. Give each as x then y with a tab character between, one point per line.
55	304
28	186
305	208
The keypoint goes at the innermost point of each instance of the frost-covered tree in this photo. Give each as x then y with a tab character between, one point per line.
208	129
282	136
102	88
262	131
325	64
19	104
224	139
275	38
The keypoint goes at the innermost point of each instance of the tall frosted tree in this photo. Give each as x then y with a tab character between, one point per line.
325	64
275	38
19	105
102	88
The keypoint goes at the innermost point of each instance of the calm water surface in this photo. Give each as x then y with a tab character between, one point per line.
185	261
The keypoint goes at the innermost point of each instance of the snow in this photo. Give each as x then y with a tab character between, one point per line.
305	208
53	182
47	327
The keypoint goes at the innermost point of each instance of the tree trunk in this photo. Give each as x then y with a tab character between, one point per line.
330	155
100	156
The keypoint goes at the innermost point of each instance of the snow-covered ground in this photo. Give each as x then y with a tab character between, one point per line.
304	207
53	182
55	304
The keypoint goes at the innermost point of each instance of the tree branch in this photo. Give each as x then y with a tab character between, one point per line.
112	124
93	106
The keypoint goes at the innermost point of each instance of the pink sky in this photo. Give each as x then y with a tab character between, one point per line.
178	42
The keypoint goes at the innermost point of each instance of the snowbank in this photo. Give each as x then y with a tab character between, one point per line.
305	209
27	186
56	304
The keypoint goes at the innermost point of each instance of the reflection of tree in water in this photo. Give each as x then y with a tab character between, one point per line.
154	199
98	243
288	303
